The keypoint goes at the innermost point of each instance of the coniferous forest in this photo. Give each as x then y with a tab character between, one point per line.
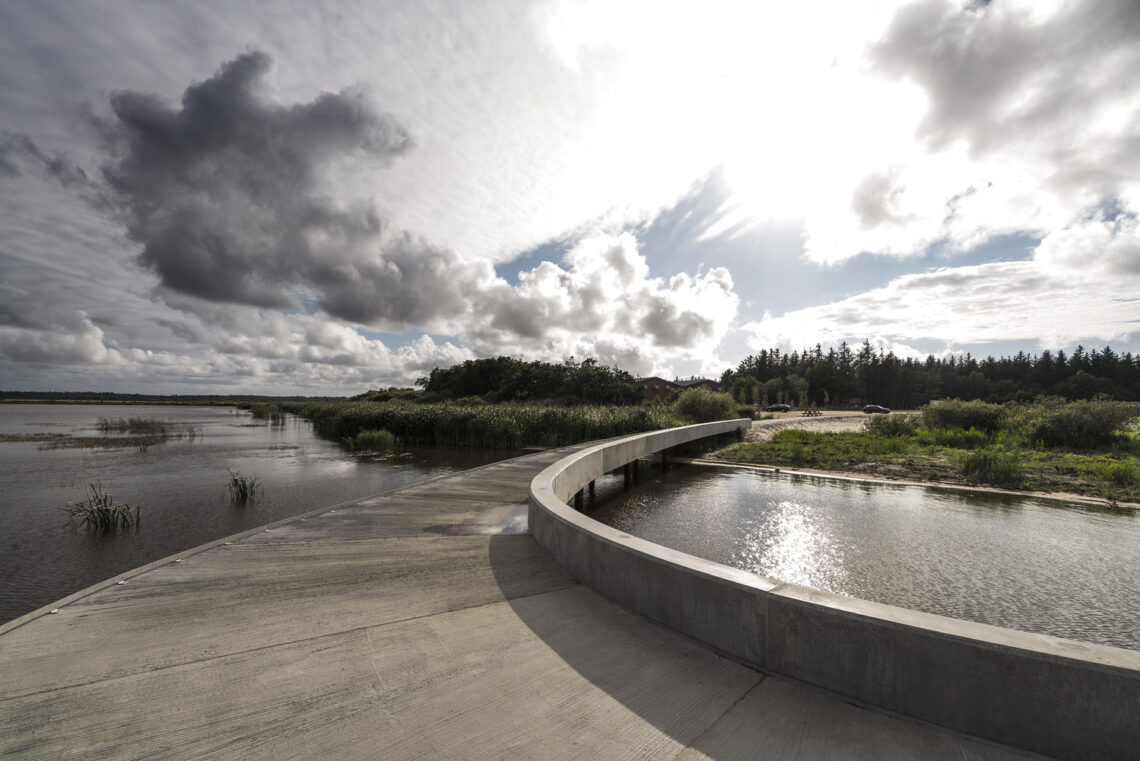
843	377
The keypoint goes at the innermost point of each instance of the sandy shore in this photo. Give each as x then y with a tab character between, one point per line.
830	422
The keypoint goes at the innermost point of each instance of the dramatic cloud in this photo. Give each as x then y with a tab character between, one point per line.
229	195
604	303
934	174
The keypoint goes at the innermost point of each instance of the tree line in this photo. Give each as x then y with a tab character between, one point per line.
505	379
842	377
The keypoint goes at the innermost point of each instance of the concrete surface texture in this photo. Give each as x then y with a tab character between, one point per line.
405	626
1046	694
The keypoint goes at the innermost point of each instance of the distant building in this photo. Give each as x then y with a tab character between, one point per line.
655	388
711	385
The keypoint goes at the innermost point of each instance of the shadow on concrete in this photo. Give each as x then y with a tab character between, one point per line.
678	686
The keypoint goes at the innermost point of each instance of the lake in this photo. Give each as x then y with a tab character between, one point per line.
178	485
1037	565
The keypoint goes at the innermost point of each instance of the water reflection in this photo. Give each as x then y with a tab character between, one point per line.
1020	563
790	543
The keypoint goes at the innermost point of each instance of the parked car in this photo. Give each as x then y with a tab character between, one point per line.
871	409
778	408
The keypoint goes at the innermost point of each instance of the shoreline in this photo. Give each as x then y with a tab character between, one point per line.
764	430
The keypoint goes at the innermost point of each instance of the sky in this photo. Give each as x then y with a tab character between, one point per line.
288	197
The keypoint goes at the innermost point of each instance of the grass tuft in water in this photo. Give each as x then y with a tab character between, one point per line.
374	439
242	489
100	511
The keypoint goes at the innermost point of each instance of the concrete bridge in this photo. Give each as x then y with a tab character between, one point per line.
419	624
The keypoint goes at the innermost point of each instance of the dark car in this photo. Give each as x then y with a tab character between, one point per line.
871	409
778	408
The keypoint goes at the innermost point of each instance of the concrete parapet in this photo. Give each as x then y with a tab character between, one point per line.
1046	694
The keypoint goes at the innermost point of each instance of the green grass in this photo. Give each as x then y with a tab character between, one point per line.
992	466
241	488
1120	473
819	450
956	438
99	511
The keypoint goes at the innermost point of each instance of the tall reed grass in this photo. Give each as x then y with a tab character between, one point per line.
499	426
269	412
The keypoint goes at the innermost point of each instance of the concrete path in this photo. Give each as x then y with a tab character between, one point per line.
404	626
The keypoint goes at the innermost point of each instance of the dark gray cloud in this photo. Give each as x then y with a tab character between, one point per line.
226	193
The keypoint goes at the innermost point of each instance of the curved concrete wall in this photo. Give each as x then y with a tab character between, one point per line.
1046	694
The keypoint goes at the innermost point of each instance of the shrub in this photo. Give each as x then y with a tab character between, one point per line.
955	413
992	466
746	410
700	405
1083	425
891	425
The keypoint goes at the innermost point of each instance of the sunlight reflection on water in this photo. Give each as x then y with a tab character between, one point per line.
793	545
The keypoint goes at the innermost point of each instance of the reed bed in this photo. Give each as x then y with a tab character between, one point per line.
134	425
498	426
271	413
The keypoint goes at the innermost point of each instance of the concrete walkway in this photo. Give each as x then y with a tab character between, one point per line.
404	626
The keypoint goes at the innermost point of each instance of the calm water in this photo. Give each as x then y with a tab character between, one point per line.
1019	563
179	486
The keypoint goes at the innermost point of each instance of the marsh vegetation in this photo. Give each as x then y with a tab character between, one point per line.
472	424
115	433
1085	447
99	511
504	403
241	488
